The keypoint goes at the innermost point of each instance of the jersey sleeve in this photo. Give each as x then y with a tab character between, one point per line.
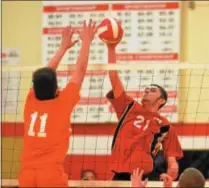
171	145
30	96
120	103
29	100
70	95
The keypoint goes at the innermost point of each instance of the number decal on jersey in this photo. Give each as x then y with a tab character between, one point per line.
140	120
32	123
42	130
146	125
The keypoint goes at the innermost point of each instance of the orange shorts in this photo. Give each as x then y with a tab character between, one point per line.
43	177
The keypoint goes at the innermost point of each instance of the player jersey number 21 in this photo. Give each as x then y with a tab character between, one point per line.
43	119
141	120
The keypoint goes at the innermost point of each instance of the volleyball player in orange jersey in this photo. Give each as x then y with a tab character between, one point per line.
47	116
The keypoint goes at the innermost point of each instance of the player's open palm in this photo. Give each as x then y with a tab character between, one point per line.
136	178
67	41
88	32
167	180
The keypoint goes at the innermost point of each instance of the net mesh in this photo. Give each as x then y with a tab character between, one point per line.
94	119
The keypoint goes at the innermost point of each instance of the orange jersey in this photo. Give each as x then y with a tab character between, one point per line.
47	127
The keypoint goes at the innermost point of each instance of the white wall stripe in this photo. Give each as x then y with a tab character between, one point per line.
101	145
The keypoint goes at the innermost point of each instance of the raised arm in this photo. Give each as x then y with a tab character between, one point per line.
66	44
113	75
87	35
117	96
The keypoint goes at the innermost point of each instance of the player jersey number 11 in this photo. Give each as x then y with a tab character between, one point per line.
42	130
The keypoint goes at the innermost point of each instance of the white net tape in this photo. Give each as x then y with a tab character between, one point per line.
124	66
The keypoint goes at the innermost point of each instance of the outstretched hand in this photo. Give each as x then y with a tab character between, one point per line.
167	180
136	178
88	32
67	41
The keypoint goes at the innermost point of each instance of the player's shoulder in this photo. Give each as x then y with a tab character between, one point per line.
31	93
30	99
71	87
70	91
161	120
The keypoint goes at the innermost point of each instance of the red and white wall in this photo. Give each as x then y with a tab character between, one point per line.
90	144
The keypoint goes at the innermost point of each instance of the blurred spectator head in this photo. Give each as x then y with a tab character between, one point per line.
88	175
191	177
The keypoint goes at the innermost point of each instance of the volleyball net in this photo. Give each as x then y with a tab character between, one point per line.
94	119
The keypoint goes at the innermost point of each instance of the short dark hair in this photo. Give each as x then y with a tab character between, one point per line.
192	177
45	83
164	94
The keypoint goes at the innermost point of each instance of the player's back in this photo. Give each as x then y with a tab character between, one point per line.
47	131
